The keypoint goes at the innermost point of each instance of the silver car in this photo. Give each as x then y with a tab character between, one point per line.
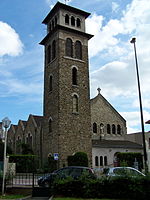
122	171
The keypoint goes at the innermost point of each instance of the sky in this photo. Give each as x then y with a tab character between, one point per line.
111	56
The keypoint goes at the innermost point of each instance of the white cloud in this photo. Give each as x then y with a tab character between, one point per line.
115	7
10	43
117	77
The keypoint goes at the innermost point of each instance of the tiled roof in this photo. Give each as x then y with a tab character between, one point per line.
38	119
24	122
115	144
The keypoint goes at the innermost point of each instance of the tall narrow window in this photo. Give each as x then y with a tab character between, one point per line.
105	160
78	22
54	49
50	125
72	21
75	103
69	49
55	21
78	50
49	54
101	160
108	129
50	83
113	129
74	76
53	24
96	160
67	19
94	127
118	129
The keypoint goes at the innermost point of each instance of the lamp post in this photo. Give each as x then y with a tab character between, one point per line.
140	102
5	123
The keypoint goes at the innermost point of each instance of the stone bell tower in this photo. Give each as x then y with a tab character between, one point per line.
66	84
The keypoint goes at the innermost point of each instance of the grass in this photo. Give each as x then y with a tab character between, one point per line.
12	196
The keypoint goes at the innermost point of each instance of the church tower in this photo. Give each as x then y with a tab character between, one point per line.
67	128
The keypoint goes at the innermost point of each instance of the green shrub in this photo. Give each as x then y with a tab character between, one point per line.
116	187
78	159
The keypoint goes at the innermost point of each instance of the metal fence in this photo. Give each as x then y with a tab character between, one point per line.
24	179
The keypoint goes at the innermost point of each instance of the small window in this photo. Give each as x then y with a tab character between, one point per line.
118	129
54	50
105	160
72	21
101	160
69	49
78	22
108	129
74	76
50	83
75	103
67	19
96	160
50	125
49	54
94	127
78	50
113	129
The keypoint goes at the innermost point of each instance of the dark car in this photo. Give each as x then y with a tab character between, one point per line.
72	171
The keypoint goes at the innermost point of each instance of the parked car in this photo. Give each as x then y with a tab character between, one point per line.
72	171
122	171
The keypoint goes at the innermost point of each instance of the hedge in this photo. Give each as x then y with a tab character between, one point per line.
130	188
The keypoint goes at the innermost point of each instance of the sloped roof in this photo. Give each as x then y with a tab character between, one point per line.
99	96
24	123
38	119
115	144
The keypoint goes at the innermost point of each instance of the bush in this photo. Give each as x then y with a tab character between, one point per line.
130	188
78	159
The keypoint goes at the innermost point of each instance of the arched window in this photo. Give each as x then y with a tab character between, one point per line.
101	160
75	103
94	127
69	49
52	24
29	140
53	49
74	76
96	160
55	21
108	129
72	21
105	160
113	129
50	125
78	22
78	50
50	83
118	129
67	19
49	54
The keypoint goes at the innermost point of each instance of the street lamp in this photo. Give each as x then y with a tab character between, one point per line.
5	123
141	110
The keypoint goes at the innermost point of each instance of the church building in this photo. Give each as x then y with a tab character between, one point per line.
71	122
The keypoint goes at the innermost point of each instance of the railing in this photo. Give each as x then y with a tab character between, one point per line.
24	179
